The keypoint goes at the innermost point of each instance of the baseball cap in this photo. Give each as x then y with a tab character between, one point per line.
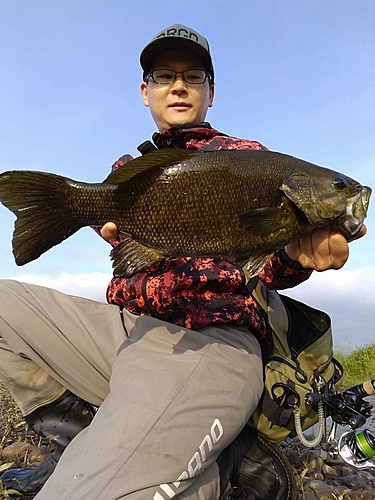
177	37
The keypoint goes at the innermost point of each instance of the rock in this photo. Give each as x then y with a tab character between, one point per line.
307	495
17	450
39	454
347	470
292	456
321	489
354	482
331	481
309	459
329	472
359	495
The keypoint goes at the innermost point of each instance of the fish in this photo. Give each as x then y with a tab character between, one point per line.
238	205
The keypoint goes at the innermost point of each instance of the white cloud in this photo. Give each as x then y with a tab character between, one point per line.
348	296
90	285
358	283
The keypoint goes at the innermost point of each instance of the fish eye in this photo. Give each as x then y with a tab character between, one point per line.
340	183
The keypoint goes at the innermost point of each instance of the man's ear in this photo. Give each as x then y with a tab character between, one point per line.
212	93
144	93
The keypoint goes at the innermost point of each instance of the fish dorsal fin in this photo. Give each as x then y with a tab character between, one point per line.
159	158
130	257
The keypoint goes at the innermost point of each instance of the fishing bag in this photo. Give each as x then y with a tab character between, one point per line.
300	361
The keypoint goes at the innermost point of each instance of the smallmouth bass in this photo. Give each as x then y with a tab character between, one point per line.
239	205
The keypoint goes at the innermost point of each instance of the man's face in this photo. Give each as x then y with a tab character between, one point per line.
178	103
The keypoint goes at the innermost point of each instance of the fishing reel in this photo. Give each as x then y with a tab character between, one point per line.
349	408
357	449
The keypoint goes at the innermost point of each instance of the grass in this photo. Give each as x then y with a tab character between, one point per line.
10	416
359	365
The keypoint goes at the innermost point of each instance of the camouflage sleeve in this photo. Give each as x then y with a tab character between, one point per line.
281	272
190	292
121	161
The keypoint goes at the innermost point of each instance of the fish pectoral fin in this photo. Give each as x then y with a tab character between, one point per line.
130	257
256	263
263	220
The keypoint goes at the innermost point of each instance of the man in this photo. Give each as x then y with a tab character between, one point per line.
175	370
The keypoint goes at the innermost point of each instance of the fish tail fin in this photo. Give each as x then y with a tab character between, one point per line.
40	202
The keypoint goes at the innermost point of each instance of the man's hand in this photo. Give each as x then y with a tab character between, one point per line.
109	231
325	248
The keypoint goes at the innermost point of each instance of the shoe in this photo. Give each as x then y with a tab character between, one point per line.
251	468
60	421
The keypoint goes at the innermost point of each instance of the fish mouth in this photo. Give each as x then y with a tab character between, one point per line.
356	211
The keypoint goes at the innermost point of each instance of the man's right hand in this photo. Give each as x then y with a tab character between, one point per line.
325	248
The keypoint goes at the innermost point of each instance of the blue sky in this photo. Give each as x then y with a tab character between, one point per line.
297	75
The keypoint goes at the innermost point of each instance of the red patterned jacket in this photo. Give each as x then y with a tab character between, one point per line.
195	292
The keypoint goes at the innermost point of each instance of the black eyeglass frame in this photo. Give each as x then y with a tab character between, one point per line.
151	75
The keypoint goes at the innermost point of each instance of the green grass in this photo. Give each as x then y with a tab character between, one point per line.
359	365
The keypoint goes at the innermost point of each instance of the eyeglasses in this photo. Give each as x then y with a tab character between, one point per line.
168	76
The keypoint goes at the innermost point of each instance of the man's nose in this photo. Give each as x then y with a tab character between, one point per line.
179	84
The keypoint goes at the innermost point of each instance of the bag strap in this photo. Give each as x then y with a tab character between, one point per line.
276	414
252	284
258	293
146	147
270	301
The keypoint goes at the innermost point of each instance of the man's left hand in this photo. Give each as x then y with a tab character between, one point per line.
109	231
325	248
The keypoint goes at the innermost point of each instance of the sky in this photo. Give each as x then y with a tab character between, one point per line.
296	75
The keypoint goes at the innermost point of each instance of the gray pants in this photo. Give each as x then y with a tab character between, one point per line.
171	399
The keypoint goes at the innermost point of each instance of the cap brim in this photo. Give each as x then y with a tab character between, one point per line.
163	44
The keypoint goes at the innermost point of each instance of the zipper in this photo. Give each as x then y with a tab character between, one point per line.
300	374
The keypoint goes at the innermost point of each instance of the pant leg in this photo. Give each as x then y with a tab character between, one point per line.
177	399
206	486
30	385
50	341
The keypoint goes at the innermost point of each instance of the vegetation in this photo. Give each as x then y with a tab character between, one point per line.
359	365
13	428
